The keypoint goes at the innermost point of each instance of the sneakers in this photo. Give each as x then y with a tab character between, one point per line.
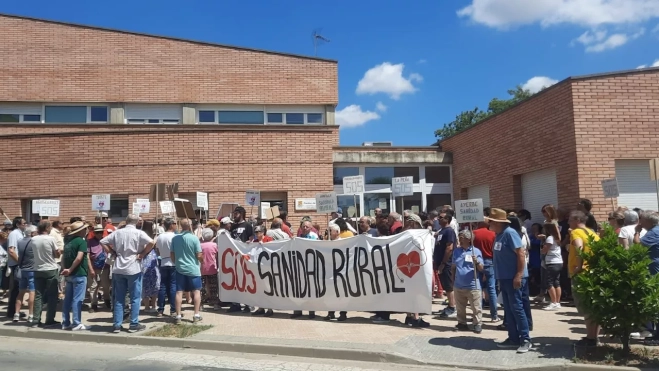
377	319
461	327
116	330
66	327
419	323
508	344
178	320
80	327
269	313
448	312
137	328
478	329
525	347
196	318
234	309
17	317
329	317
342	317
552	307
258	312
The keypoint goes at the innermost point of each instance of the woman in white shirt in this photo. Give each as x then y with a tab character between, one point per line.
553	264
626	235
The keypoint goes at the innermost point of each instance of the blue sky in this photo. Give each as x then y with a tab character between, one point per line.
404	70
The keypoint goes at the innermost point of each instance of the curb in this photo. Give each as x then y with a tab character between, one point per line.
281	350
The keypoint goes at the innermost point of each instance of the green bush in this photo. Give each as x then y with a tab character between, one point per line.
617	289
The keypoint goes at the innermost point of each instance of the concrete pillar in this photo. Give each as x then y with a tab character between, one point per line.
117	113
329	115
189	114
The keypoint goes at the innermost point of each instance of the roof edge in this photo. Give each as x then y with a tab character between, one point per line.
370	148
207	43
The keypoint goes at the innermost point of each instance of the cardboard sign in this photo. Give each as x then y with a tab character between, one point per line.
226	209
326	203
305	204
402	186
157	192
48	207
184	209
353	184
610	188
145	205
166	207
101	202
202	200
252	197
469	211
272	212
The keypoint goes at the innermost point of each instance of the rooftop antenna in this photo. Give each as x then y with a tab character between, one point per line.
318	40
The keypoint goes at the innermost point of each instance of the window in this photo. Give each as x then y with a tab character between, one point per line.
153	121
240	117
295	118
31	118
433	201
438	174
314	118
275	118
118	208
10	118
374	201
348	206
378	175
207	116
170	121
98	114
412	171
341	172
410	203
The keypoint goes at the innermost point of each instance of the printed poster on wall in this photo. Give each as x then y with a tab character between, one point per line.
360	273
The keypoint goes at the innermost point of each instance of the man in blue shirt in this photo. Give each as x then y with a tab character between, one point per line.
650	222
442	258
466	260
510	270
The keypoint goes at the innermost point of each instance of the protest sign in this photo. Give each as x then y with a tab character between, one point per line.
47	207
402	186
252	197
136	208
610	188
167	207
326	203
101	202
353	184
469	211
145	205
202	200
360	273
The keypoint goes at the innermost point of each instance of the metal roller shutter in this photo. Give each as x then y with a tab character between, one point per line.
21	109
480	191
153	111
634	184
538	189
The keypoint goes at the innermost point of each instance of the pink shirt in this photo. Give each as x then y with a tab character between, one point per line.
209	251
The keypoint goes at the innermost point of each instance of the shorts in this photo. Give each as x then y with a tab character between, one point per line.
578	302
187	283
446	278
553	275
27	281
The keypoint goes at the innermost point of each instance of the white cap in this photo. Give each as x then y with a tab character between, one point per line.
225	220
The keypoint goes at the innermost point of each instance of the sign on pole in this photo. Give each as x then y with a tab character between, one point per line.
202	200
145	205
469	211
252	197
610	188
326	203
101	202
48	207
137	208
167	207
402	186
353	184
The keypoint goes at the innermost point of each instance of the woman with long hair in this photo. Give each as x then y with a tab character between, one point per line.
553	262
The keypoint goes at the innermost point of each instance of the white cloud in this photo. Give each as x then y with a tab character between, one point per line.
422	61
597	41
655	64
641	66
353	116
388	78
537	83
611	42
380	107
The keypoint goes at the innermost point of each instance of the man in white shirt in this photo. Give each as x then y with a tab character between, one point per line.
19	224
167	268
129	245
56	233
626	235
46	273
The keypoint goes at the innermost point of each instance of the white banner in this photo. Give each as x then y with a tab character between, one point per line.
360	273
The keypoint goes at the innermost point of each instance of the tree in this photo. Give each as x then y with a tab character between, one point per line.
617	289
467	119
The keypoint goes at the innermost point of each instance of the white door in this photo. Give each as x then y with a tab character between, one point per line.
634	184
538	189
480	191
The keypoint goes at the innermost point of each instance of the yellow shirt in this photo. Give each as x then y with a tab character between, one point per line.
346	234
573	253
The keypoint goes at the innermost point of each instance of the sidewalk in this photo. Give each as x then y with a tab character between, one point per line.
356	338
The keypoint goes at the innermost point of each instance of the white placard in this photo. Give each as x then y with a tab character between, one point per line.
264	206
48	207
136	208
610	188
383	203
35	206
353	184
469	211
305	204
398	279
101	202
202	200
326	203
166	207
252	197
402	186
145	205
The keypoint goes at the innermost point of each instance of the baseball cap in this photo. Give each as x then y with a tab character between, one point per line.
7	222
258	229
225	220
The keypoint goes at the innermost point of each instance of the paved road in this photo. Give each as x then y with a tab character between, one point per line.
48	355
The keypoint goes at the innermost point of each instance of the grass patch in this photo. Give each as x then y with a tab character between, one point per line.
611	355
177	331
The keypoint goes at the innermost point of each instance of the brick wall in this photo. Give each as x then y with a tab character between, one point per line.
71	165
537	134
51	62
616	117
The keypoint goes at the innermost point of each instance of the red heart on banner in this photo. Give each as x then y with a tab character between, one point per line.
409	264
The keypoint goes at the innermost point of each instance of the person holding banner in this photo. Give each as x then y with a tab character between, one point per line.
308	234
442	259
335	234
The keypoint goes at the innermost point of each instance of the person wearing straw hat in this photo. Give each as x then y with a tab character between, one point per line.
76	269
510	269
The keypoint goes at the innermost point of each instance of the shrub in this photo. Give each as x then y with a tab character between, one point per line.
617	289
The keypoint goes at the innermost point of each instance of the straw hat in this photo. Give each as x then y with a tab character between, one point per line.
498	215
77	227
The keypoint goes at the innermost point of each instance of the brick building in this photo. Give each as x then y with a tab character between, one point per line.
557	146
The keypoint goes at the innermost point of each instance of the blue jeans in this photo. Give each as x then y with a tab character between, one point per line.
490	286
133	284
514	310
167	287
74	295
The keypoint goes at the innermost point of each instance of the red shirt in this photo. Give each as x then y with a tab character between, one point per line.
484	240
265	239
396	227
286	230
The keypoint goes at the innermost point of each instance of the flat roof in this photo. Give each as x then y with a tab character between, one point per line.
165	37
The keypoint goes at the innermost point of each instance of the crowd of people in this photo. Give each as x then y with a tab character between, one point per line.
139	263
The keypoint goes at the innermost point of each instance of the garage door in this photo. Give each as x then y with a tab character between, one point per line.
480	191
634	184
538	189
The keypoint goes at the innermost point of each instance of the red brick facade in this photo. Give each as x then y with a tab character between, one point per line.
578	127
